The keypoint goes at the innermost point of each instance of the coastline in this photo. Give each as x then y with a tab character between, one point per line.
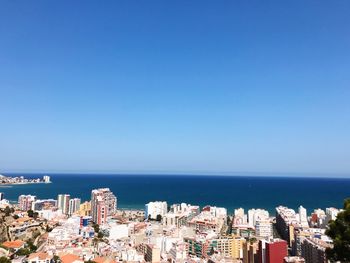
11	184
134	192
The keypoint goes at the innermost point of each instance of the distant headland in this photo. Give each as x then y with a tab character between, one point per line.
8	180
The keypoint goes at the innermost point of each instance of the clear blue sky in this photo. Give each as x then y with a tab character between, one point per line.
214	86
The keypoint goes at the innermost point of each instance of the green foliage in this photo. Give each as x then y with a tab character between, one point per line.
30	213
252	240
33	214
23	252
98	233
339	231
56	259
31	246
211	251
5	260
2	246
96	227
15	216
7	211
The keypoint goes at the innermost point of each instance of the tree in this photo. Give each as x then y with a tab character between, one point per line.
56	259
100	235
211	251
23	252
159	218
30	213
5	260
339	231
96	227
31	246
252	240
7	211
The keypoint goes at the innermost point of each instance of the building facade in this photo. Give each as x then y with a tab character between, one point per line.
25	202
153	209
272	251
63	203
103	204
74	205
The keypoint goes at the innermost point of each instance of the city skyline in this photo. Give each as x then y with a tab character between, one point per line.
161	87
153	235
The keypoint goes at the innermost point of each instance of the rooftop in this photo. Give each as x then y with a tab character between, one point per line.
13	244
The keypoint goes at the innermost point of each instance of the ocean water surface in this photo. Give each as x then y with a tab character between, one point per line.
133	191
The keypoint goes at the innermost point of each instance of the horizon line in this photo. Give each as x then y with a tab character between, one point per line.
183	173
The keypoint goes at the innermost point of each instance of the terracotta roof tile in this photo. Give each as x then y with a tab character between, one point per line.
70	258
103	260
40	255
13	244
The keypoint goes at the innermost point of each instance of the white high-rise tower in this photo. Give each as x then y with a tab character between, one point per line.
303	216
63	203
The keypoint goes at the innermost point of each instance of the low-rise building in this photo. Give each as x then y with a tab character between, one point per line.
15	245
151	252
39	257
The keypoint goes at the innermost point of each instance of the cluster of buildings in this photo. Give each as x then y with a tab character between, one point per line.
67	204
305	235
95	230
49	208
256	222
21	180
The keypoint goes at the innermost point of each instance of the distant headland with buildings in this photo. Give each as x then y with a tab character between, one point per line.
8	180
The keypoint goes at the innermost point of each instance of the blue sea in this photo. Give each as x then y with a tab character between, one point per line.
134	191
